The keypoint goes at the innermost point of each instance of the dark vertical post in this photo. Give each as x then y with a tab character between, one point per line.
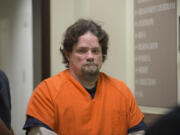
45	38
41	40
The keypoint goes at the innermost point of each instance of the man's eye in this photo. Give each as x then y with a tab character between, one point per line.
81	51
96	51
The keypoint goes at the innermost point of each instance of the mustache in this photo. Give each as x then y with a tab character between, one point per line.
90	64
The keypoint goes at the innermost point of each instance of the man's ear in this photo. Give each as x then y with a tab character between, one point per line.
66	55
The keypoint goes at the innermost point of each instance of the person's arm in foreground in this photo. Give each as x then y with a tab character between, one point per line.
4	130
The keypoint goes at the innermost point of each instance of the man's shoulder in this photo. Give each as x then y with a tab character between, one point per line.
57	79
3	76
116	84
2	72
112	80
4	82
52	85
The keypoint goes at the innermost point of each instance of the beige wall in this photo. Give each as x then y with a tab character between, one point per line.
62	15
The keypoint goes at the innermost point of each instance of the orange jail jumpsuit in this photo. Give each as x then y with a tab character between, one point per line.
63	104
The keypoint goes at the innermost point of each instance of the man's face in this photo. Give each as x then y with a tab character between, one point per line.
86	56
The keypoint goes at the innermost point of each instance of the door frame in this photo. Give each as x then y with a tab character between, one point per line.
41	40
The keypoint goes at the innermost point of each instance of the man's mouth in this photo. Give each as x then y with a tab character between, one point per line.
90	64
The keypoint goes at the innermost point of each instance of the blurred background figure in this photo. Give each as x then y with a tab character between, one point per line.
5	106
168	124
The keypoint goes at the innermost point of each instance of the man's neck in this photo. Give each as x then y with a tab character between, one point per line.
88	84
85	80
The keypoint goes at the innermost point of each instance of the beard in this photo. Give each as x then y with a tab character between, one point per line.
90	69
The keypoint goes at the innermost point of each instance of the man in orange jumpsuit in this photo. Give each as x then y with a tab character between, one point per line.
81	100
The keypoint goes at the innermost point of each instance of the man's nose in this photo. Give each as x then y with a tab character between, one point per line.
90	56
